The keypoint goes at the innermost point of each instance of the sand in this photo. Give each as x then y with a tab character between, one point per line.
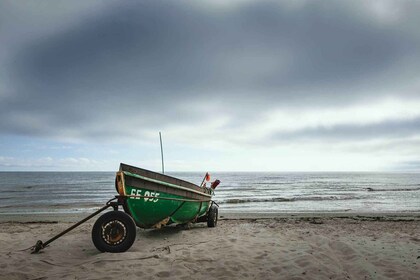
271	248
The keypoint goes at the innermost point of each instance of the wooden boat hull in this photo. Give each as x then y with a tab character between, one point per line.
154	199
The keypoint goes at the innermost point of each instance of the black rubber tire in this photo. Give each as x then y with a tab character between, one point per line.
212	216
114	232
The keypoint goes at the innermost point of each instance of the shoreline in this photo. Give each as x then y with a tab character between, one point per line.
75	217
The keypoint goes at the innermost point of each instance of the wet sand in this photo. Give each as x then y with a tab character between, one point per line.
252	247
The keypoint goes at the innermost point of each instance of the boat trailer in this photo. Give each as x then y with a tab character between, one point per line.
115	202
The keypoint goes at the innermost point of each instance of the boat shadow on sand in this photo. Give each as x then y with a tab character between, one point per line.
169	231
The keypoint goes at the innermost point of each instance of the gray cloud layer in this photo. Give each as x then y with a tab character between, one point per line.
350	132
141	63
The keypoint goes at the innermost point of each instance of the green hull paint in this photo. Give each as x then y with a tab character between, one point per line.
147	212
153	199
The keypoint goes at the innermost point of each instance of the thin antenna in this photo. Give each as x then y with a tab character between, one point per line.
161	152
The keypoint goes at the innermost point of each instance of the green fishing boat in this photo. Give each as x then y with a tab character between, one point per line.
151	200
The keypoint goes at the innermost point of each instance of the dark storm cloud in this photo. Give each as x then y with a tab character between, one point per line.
142	63
353	132
161	46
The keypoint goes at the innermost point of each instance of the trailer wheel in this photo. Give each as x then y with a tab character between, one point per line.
212	216
114	232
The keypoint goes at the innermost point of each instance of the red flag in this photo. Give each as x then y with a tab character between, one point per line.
207	177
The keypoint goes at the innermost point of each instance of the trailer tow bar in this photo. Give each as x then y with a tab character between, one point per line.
41	245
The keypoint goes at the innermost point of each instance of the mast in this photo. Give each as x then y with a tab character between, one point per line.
161	152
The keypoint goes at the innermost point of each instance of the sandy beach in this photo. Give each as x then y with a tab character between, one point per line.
291	247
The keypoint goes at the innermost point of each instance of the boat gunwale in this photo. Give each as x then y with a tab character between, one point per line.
166	184
162	177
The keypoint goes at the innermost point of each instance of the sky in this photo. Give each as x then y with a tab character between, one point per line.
237	86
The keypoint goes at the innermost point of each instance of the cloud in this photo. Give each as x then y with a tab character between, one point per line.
49	163
151	62
351	132
411	166
233	74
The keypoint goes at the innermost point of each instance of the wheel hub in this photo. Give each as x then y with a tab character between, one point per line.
114	232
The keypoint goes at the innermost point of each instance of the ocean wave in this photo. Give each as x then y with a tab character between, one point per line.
393	190
284	199
273	183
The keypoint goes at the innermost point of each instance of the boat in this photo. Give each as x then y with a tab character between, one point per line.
151	200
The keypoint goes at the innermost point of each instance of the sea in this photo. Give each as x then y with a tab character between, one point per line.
239	192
